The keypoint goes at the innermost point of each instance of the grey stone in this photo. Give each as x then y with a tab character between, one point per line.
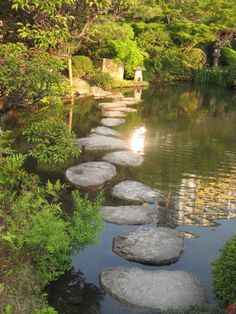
114	114
100	142
151	246
137	191
99	92
112	105
112	121
91	173
153	290
102	130
122	109
124	158
129	215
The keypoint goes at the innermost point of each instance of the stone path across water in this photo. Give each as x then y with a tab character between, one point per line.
103	130
91	173
137	191
130	214
153	290
124	158
141	289
112	121
100	142
151	246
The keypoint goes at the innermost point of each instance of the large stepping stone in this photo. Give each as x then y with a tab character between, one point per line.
153	290
112	121
114	114
151	246
129	215
137	191
112	105
100	142
91	173
124	158
102	130
122	109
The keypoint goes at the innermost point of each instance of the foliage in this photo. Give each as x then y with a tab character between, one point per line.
82	66
6	142
102	79
129	52
216	76
52	141
228	57
37	237
224	274
207	309
28	76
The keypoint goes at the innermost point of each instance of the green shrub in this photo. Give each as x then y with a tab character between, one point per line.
228	57
103	80
215	76
37	237
224	274
28	76
82	66
52	141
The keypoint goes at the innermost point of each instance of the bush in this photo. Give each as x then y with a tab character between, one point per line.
103	80
228	57
215	76
28	76
37	237
52	141
224	274
82	66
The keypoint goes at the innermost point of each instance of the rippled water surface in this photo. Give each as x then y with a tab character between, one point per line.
187	136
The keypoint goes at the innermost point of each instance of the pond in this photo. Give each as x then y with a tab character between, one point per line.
186	135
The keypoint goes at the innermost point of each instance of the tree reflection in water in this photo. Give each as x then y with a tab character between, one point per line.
71	294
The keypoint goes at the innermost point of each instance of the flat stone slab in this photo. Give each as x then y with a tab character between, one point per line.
153	290
112	121
100	142
91	173
151	246
137	191
102	130
124	158
122	109
129	215
112	105
114	114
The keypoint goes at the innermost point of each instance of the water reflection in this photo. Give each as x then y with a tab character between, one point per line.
138	140
72	294
201	200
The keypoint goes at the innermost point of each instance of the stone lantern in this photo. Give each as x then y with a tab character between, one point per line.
216	54
138	76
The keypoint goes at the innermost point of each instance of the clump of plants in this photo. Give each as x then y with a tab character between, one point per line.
82	66
51	141
37	236
103	80
28	76
224	274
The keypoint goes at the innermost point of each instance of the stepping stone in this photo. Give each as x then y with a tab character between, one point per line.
137	191
129	215
151	246
124	158
112	121
131	100
114	114
102	130
153	290
100	142
122	109
112	105
91	173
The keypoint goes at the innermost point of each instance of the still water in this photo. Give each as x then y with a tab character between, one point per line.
187	136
